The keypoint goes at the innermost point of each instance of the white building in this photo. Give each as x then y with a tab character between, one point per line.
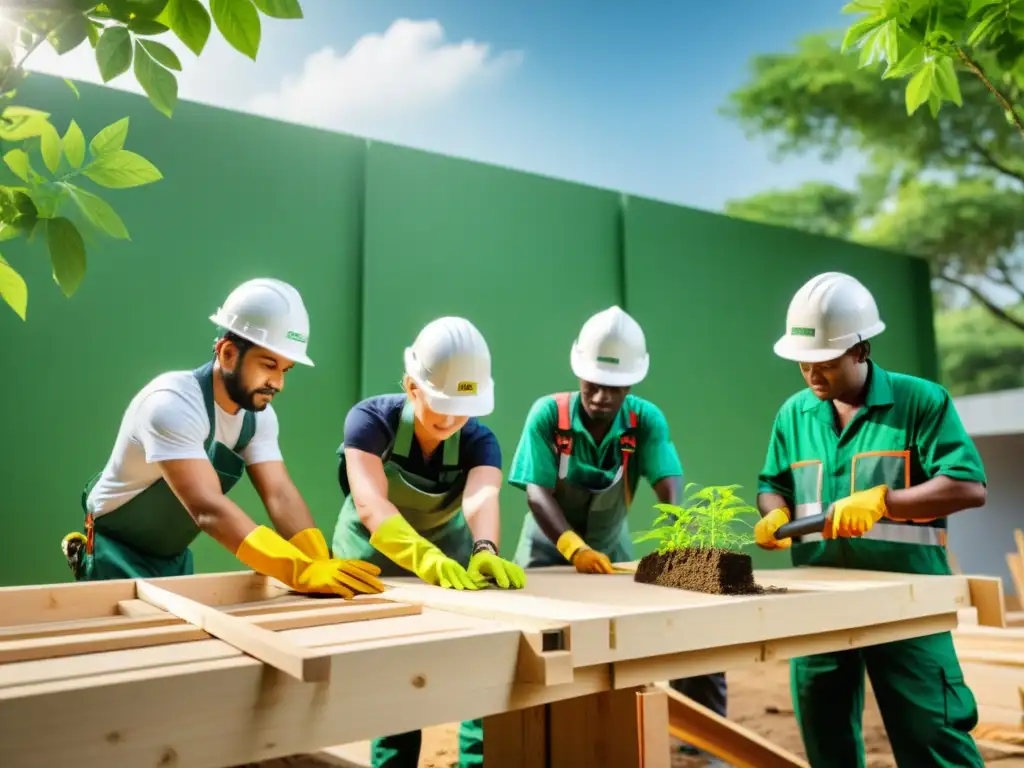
981	538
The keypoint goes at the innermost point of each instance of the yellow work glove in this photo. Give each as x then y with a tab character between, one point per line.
311	543
585	559
854	515
486	566
764	530
267	552
400	542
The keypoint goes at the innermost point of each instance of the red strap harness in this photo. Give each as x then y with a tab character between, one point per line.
564	440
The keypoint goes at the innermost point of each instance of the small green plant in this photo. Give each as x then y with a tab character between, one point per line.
708	519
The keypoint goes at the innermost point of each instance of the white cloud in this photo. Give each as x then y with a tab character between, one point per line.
406	70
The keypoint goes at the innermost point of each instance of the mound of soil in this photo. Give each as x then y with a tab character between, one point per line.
715	571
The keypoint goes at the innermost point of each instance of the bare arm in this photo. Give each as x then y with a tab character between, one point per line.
768	501
284	503
197	486
369	488
668	490
938	497
546	511
480	503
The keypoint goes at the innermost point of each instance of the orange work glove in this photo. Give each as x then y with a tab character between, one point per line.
764	530
311	543
585	559
855	515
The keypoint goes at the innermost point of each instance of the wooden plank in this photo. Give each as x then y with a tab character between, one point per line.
697	725
263	644
987	597
516	739
601	729
653	725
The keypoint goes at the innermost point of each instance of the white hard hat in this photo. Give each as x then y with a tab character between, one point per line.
610	350
829	314
270	314
451	363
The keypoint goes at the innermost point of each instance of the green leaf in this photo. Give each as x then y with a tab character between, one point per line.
22	123
114	53
74	145
17	161
908	64
13	289
859	30
69	34
947	85
862	6
146	27
239	22
146	9
162	54
73	87
985	27
190	21
920	86
980	5
67	254
99	212
111	138
280	9
159	84
119	169
50	147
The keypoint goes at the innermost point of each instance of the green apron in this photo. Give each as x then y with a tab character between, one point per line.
434	509
927	708
149	536
598	515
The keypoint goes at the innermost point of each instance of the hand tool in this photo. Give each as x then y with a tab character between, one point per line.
804	525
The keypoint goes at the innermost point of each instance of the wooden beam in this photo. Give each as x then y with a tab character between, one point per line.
697	725
987	597
274	650
653	726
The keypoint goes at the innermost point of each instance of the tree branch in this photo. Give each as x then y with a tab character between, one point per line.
972	65
982	299
993	162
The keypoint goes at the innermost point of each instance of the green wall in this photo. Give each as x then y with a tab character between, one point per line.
380	240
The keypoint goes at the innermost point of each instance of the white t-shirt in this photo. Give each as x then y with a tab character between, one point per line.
167	420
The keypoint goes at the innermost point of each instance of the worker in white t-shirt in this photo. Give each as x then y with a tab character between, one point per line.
184	442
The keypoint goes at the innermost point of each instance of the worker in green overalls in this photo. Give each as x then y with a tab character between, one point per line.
580	459
185	440
886	457
420	475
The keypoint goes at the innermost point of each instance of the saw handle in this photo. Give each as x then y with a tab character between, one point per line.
802	526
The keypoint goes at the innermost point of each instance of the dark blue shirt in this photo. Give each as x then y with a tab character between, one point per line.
372	424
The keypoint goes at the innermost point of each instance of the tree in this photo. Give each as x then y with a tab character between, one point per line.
53	204
977	353
929	42
948	187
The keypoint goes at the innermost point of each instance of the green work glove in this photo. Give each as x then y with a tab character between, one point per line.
396	539
486	566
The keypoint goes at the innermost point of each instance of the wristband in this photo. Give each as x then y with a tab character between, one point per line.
484	545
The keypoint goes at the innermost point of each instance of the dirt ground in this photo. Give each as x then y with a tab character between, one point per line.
758	699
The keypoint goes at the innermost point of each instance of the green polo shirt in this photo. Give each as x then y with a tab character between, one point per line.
907	432
592	465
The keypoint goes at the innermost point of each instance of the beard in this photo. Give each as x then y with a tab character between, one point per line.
245	398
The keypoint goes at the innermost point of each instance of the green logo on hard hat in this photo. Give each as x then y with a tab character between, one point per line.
797	331
612	360
296	336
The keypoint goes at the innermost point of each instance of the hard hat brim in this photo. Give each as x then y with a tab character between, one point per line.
606	377
785	349
480	404
288	355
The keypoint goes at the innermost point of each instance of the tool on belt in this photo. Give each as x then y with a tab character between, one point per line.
78	546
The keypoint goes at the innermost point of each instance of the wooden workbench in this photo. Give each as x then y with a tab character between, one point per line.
225	669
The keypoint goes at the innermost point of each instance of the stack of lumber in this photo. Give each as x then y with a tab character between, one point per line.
227	669
992	658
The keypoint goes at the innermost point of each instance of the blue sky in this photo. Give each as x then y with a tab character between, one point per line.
608	94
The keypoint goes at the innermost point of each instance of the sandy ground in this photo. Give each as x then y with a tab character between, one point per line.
758	699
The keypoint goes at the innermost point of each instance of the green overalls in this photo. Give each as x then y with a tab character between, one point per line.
594	499
149	536
434	509
907	432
